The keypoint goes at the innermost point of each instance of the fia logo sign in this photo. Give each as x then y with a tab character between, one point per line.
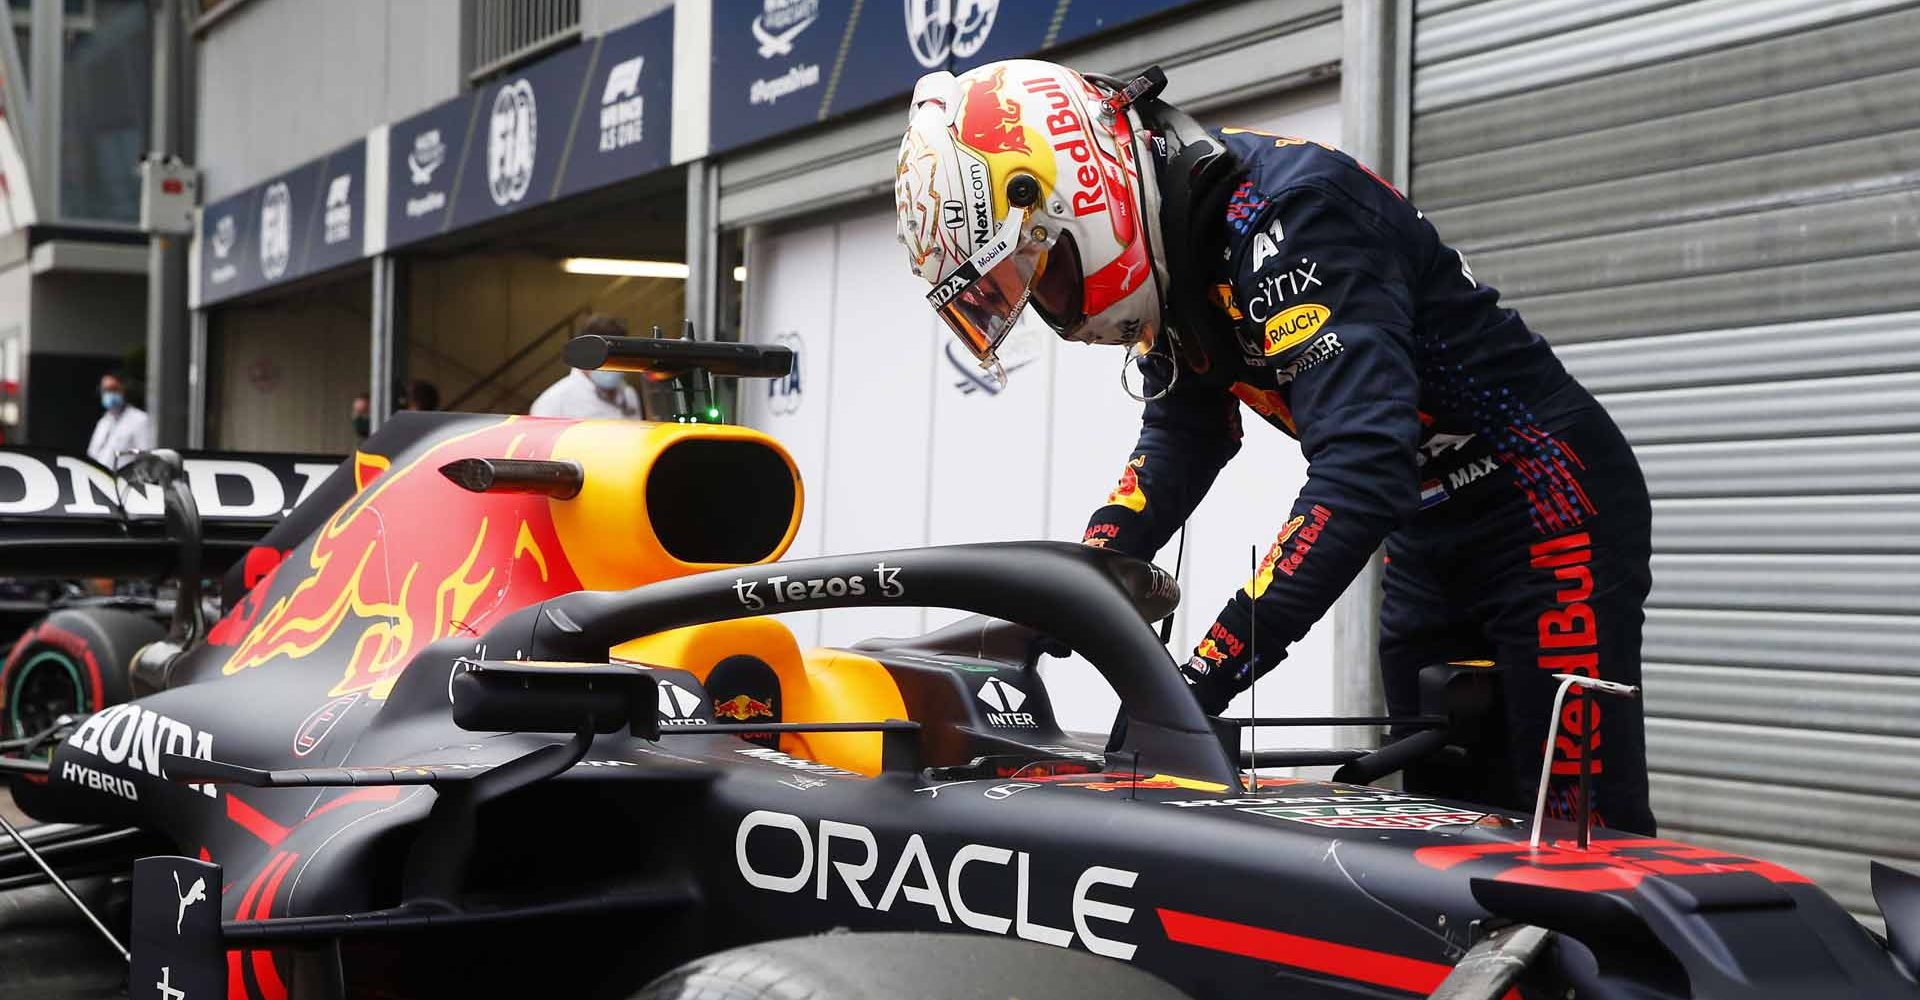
511	133
937	29
783	394
276	230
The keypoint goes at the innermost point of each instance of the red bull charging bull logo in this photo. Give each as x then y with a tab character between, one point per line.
1128	493
463	560
743	708
989	120
1263	574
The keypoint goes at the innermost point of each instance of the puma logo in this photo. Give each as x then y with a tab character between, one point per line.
187	898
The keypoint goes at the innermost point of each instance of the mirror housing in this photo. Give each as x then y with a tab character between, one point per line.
505	696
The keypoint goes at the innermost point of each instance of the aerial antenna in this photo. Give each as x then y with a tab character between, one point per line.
1253	659
1588	687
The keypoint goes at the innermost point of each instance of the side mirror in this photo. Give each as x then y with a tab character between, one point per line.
163	467
503	696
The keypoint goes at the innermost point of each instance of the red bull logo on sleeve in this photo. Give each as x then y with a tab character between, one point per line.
1128	493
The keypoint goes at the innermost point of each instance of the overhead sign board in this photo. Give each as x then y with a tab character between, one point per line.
302	222
783	64
593	115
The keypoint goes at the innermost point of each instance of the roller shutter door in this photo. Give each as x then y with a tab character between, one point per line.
1712	208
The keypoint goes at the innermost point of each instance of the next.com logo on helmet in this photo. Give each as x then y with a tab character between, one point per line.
989	120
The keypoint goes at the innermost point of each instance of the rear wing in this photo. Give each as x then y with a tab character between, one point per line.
66	515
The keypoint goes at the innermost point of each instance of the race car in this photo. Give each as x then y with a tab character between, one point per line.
508	710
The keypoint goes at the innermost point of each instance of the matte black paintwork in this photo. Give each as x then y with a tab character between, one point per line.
1164	860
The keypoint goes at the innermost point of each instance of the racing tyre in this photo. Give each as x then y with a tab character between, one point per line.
72	662
904	967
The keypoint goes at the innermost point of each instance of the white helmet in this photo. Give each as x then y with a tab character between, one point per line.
1020	181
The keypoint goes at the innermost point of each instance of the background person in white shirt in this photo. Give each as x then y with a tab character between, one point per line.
123	430
596	394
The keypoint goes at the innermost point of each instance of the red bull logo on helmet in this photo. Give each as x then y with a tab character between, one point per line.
989	120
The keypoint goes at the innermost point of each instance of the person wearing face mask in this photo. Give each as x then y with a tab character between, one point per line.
123	430
362	416
591	394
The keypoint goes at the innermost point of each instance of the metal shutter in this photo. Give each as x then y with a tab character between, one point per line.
1712	209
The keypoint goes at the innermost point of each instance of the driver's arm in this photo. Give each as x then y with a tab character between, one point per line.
1186	436
1354	395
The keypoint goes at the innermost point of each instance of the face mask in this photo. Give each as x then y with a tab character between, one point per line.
362	426
112	400
607	381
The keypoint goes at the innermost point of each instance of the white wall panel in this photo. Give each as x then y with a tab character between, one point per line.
875	497
790	300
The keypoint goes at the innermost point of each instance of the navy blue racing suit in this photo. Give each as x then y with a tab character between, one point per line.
1515	517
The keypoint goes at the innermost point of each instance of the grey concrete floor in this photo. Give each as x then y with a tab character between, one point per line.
13	814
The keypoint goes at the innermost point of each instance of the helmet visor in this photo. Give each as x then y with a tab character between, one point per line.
981	300
1057	292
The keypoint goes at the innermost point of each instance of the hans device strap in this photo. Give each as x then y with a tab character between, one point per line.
1196	182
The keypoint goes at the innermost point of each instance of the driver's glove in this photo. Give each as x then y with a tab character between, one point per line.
1219	668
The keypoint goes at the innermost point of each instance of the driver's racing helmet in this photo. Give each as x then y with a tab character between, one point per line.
1018	182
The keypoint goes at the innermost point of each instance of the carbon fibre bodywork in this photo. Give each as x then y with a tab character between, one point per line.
338	667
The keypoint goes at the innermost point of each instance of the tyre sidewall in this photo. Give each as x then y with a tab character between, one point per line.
94	644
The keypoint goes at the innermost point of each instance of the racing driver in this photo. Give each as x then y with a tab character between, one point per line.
1243	268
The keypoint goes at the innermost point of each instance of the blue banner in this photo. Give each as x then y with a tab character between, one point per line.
593	115
585	118
423	153
304	221
626	128
779	65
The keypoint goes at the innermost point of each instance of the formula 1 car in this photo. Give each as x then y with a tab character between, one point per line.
504	713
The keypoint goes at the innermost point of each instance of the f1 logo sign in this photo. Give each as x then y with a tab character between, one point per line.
623	80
